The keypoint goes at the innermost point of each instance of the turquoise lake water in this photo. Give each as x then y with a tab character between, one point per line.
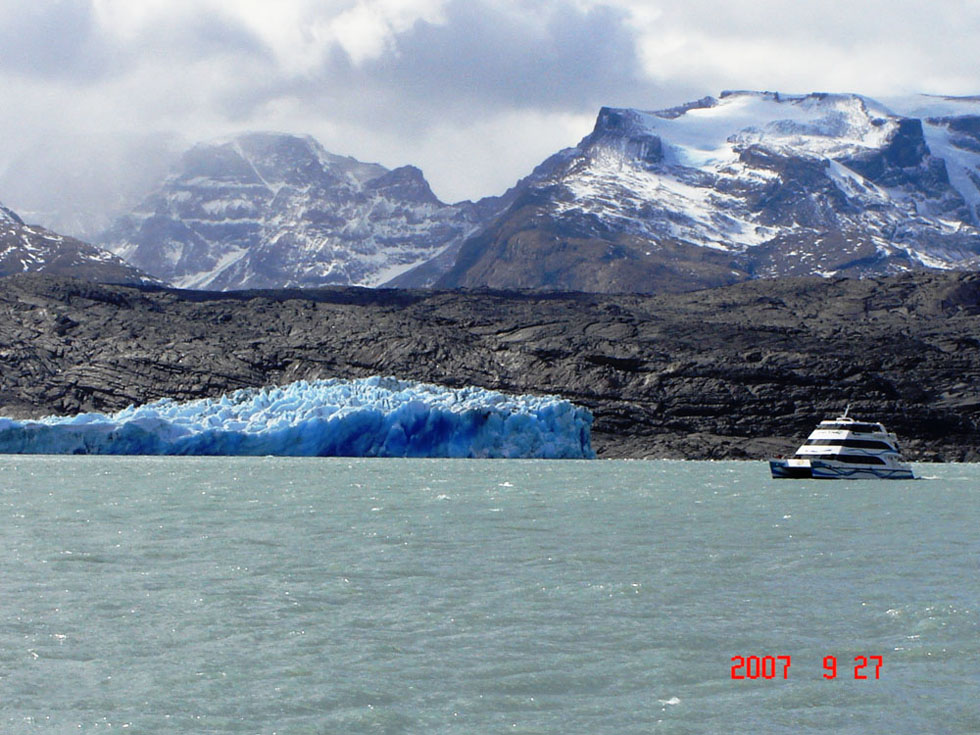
273	595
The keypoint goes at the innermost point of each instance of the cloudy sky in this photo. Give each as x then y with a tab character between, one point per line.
475	92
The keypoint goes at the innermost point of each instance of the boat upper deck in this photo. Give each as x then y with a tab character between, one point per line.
857	427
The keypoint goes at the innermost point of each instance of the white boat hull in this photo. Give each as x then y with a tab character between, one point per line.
818	469
798	469
824	470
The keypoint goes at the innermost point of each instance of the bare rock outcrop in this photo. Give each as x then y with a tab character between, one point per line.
739	371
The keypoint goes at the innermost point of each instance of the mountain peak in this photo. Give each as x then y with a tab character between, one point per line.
33	249
406	183
7	215
265	210
748	184
279	150
714	131
624	134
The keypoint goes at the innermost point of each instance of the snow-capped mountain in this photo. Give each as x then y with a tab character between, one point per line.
267	210
33	249
747	185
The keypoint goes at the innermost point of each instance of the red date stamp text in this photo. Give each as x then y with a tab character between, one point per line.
777	667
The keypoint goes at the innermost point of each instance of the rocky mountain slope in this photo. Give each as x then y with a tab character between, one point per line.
33	249
744	186
274	210
738	371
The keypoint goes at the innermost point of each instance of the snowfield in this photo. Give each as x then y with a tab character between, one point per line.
721	173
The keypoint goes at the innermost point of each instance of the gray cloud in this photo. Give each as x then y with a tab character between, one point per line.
563	58
199	38
479	61
486	70
62	40
58	40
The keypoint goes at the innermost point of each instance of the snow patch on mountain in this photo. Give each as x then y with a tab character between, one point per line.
273	210
826	126
751	168
924	106
33	249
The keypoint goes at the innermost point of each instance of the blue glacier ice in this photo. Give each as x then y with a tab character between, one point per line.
371	417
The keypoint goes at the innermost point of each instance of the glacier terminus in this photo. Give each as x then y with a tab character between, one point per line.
369	417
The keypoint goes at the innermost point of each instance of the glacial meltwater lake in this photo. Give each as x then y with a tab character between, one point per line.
286	595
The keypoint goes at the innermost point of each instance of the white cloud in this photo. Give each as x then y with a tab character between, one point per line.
476	92
872	47
471	160
369	28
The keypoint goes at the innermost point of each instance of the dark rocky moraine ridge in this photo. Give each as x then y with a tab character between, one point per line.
740	371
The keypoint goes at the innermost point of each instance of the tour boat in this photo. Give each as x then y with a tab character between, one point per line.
846	448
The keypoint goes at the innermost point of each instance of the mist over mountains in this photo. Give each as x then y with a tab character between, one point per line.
78	186
276	211
747	185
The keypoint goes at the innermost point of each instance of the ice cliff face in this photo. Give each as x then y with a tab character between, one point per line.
746	185
372	417
273	210
33	249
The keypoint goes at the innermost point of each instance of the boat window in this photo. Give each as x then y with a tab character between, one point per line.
860	459
853	443
848	458
855	427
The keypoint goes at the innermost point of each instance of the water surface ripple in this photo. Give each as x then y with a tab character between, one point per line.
274	595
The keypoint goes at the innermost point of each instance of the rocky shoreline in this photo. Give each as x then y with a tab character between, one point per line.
742	371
